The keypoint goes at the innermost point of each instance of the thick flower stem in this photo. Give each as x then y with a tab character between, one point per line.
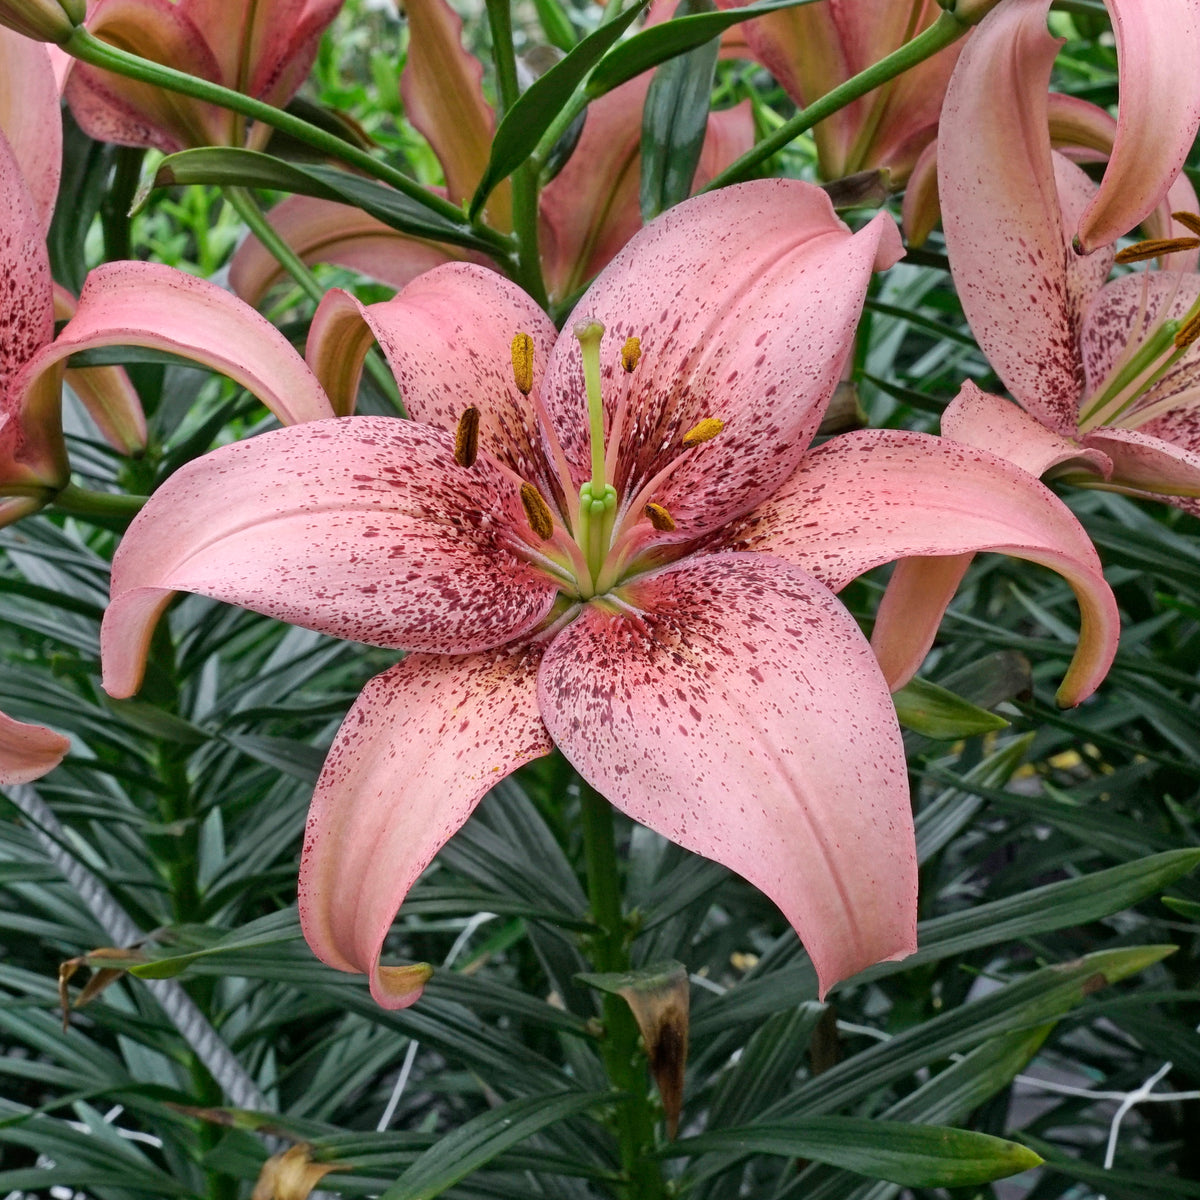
80	502
528	265
623	1056
83	46
247	207
946	30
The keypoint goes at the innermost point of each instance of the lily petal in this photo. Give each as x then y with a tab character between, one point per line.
29	118
114	108
743	716
745	301
1147	465
1157	118
147	304
107	393
443	97
1001	211
362	527
448	339
28	751
323	231
931	496
422	745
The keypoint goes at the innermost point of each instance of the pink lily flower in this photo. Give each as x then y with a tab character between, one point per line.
587	212
616	541
1099	366
265	50
812	49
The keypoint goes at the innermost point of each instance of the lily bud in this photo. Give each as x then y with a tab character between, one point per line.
43	20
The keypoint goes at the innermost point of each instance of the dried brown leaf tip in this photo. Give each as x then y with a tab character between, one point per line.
291	1175
103	975
658	997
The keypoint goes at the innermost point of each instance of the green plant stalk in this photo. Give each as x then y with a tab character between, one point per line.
946	30
82	502
623	1058
248	208
83	46
528	263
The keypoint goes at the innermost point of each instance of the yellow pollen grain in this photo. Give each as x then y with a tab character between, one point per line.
537	512
703	431
1153	247
631	354
659	518
1188	332
466	438
522	363
1189	221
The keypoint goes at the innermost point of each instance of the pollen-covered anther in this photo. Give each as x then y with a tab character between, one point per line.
466	438
631	354
522	363
1155	247
537	512
1188	332
1189	221
659	518
703	431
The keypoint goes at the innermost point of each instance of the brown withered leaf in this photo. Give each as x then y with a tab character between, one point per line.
291	1175
658	997
102	975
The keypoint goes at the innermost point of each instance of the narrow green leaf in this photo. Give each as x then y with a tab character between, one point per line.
1185	908
524	123
661	42
480	1140
938	713
1117	1185
913	1155
227	166
675	120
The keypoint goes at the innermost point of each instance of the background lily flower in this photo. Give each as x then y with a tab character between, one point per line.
28	752
264	49
123	304
587	212
617	542
1096	364
812	49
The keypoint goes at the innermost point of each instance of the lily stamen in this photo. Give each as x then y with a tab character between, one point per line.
631	354
659	518
703	431
522	363
537	512
466	438
1155	248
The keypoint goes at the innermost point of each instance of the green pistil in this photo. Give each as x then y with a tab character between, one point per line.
597	497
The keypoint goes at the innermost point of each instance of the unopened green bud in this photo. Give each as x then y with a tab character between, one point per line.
43	20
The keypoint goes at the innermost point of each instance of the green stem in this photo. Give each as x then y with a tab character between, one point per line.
946	30
248	208
82	45
528	266
623	1058
80	502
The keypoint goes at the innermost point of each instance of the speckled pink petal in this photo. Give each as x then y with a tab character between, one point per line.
1151	465
26	307
361	527
28	751
1001	212
743	716
871	497
1158	115
147	304
443	97
978	418
448	339
745	301
29	117
1123	315
323	231
420	748
114	108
